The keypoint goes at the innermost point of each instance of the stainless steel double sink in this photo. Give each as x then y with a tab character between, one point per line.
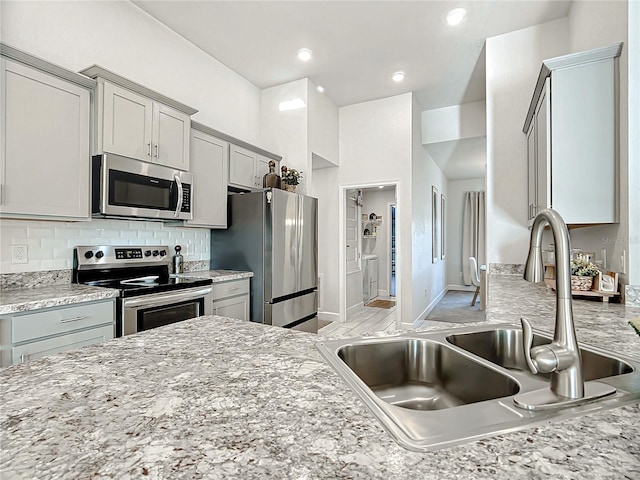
441	388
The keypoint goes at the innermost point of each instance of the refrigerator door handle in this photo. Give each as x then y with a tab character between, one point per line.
299	243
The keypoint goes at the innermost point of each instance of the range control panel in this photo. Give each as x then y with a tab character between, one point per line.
104	255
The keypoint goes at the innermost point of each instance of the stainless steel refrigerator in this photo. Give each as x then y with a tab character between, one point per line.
274	234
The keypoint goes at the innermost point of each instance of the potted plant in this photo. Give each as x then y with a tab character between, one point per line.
290	178
582	273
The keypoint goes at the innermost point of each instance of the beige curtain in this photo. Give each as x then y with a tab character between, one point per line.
474	220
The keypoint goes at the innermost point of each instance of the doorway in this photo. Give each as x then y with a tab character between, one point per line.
369	267
391	209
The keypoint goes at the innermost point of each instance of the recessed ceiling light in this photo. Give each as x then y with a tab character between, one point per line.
380	186
304	54
320	88
456	16
398	76
293	104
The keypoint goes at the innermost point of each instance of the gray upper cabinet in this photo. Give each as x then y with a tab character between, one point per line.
247	167
242	167
45	133
209	163
572	138
136	122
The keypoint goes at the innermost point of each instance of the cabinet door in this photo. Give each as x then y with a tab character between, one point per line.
34	350
543	152
236	307
127	122
209	160
241	167
531	172
170	137
44	162
262	168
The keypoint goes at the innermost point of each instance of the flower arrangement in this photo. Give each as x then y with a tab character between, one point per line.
290	176
583	268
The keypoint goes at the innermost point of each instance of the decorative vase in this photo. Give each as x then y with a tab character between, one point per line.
290	188
581	283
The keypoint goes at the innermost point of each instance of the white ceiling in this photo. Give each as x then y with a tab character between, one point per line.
356	45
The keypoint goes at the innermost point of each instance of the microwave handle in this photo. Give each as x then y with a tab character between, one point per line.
179	203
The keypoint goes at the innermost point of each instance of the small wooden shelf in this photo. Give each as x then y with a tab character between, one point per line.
551	282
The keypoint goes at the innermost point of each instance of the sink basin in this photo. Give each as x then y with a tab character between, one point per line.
424	375
504	347
441	388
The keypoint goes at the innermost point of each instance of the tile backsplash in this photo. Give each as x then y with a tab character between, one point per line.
50	244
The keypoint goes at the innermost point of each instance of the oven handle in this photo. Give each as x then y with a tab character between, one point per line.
162	299
179	205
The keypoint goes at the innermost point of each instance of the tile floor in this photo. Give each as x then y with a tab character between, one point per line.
372	319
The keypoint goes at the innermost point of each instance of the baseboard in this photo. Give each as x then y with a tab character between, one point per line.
329	316
462	288
431	306
355	308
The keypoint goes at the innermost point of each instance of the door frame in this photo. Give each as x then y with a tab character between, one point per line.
389	246
342	192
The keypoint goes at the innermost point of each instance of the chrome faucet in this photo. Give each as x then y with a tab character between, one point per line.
561	357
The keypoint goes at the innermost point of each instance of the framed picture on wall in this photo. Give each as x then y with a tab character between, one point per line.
443	216
435	225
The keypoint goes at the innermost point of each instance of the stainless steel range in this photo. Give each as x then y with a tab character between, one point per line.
149	296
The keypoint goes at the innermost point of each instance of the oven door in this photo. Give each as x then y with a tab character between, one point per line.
150	311
127	187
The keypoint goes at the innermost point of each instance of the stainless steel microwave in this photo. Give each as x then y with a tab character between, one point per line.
125	187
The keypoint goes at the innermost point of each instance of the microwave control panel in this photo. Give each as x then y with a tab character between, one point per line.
186	198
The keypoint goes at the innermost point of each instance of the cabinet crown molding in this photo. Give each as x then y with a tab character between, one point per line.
100	73
41	64
236	141
564	61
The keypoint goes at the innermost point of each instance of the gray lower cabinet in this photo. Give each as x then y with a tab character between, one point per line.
30	335
231	299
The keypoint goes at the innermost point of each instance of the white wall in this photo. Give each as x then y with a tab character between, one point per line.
374	147
323	125
454	123
511	76
376	201
122	38
427	278
286	132
513	61
50	244
588	30
456	190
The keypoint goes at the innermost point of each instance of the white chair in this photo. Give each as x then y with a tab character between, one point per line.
475	278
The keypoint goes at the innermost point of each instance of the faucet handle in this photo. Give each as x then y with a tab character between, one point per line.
527	342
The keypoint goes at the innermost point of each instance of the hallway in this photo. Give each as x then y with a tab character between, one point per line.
454	307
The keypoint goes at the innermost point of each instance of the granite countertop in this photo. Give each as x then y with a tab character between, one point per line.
13	300
219	398
218	275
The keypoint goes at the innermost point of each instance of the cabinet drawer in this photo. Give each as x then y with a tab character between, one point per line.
58	321
42	348
236	307
230	289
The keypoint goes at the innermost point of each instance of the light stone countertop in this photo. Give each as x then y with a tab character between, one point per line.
14	300
218	275
219	398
